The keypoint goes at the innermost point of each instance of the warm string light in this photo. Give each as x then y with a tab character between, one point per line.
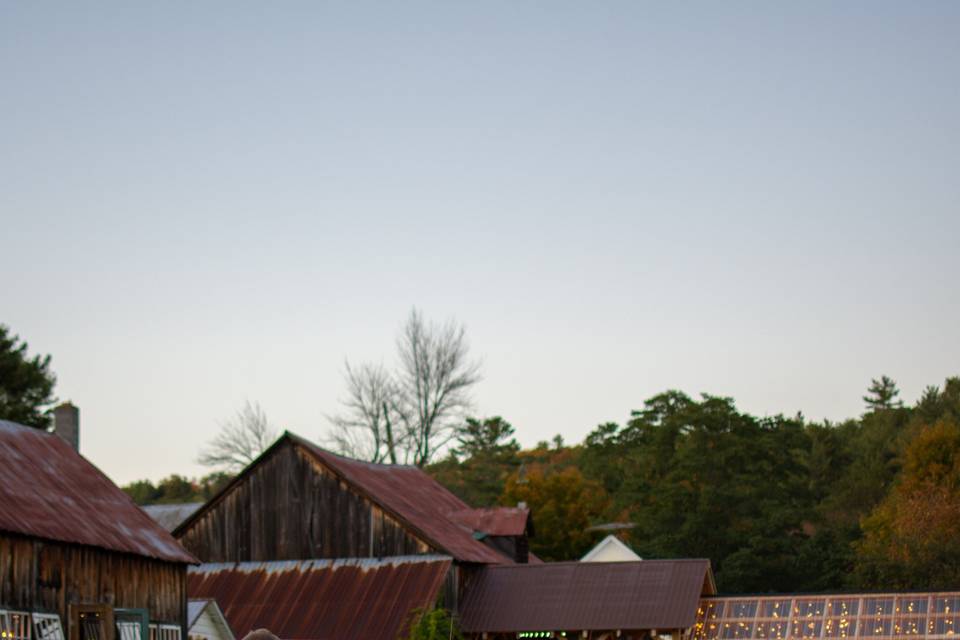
829	618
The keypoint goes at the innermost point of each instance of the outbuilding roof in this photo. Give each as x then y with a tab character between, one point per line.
169	516
591	596
495	521
48	490
372	599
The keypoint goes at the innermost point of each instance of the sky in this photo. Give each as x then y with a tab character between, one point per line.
207	203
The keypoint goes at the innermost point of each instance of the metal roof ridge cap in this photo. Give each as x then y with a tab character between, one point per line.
328	562
378	465
314	445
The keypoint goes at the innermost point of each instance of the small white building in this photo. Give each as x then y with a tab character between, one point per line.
205	621
610	549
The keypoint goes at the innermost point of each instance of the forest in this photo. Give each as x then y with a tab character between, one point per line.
778	504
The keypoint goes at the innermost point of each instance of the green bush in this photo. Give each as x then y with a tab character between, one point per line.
433	624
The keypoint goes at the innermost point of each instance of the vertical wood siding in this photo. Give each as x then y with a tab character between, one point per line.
291	507
38	575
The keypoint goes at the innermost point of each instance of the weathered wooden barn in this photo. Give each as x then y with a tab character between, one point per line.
78	559
298	501
394	526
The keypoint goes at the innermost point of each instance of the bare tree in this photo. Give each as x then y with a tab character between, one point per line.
434	379
366	429
240	441
410	413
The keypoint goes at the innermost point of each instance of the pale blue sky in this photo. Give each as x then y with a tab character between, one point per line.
204	203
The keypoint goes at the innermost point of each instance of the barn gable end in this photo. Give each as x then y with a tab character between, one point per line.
288	505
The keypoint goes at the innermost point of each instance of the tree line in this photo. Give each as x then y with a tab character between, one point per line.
778	504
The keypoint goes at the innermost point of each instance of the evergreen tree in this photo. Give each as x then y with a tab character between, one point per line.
477	469
882	394
26	383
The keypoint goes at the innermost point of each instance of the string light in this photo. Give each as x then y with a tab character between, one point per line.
842	618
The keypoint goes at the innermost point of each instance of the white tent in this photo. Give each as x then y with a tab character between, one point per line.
610	550
205	621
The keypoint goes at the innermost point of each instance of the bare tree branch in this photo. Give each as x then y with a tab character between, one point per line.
366	427
240	441
435	377
412	413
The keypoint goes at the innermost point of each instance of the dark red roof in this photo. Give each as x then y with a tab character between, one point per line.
494	521
321	599
50	491
415	498
575	596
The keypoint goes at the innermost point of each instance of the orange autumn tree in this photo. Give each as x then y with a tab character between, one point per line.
912	539
564	505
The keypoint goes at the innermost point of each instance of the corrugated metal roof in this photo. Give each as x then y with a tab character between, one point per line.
169	516
322	599
415	498
494	521
650	594
50	491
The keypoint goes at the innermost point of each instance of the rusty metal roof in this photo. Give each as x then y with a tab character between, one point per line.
411	495
50	491
495	521
575	596
322	599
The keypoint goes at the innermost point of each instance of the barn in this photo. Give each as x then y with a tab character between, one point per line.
78	559
298	501
401	542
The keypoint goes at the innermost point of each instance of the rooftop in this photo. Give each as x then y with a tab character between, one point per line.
407	493
170	516
650	594
320	599
50	491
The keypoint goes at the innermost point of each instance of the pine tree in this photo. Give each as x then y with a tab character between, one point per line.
26	383
882	395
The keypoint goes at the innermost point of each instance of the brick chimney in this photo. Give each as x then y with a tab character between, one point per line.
66	423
